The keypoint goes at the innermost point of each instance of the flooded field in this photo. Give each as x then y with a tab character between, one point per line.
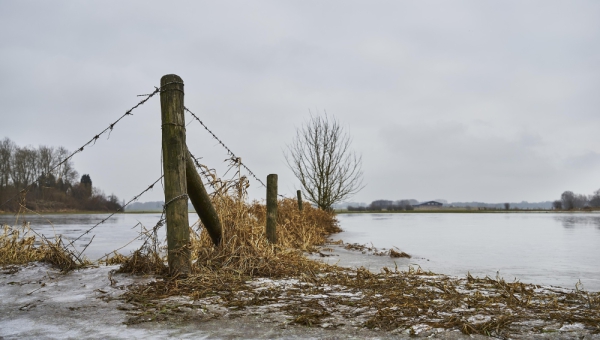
544	248
541	248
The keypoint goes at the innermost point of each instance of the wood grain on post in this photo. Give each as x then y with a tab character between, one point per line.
299	199
272	208
202	203
174	150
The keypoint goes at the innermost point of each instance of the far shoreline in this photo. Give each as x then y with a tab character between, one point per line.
467	211
337	212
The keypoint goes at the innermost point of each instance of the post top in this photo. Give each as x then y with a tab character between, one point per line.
170	78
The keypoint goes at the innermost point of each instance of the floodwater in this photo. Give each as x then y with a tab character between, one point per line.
119	231
544	248
557	249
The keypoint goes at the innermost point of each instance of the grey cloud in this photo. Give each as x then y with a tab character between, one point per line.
496	97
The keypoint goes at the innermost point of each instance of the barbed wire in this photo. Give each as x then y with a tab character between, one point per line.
93	139
234	157
122	208
203	170
225	146
43	237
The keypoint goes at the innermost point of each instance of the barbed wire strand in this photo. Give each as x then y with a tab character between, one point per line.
43	237
225	146
117	211
114	251
93	139
228	149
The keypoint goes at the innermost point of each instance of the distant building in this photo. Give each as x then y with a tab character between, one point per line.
429	204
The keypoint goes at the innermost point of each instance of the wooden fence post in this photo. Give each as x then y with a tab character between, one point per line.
272	208
174	151
201	202
299	200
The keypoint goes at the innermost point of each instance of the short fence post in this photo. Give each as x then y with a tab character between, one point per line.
272	208
174	151
299	200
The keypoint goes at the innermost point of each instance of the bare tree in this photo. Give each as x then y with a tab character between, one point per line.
23	166
66	171
321	158
6	150
46	159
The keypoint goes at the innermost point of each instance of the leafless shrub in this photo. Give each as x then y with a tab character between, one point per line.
321	158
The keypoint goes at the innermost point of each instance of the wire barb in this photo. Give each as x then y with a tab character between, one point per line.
225	146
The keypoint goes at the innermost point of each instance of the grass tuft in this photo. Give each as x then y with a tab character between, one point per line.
20	245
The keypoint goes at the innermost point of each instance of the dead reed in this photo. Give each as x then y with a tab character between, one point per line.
17	246
20	245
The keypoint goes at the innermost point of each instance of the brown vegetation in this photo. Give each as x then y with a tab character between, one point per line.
19	245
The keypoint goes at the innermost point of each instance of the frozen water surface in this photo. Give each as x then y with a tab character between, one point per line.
544	248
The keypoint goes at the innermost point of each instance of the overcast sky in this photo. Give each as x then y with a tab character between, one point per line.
461	100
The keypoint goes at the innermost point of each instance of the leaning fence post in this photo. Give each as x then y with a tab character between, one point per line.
201	202
272	208
174	151
299	200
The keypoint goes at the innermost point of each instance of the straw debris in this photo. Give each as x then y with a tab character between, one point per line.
247	275
20	245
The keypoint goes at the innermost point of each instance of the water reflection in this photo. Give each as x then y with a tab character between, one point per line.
572	221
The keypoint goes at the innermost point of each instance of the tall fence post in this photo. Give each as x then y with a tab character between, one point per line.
272	208
201	202
299	199
174	152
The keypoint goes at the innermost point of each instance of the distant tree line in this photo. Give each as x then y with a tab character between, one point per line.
400	205
50	188
524	205
571	201
380	205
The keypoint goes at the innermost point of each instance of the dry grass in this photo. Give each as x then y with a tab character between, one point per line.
245	252
20	245
17	246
